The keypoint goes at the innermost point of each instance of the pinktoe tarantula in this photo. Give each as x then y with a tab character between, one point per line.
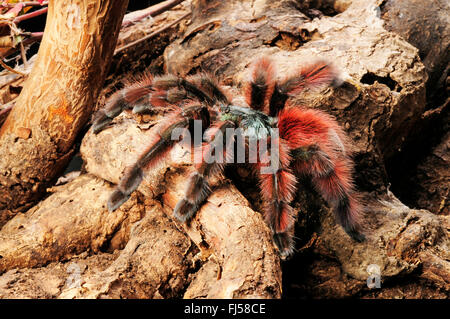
308	142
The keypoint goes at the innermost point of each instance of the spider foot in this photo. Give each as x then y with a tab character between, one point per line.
355	235
141	108
100	122
284	243
116	199
184	210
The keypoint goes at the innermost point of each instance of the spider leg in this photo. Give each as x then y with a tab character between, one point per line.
160	92
126	98
333	181
198	188
261	85
157	149
170	90
338	190
277	190
191	88
211	87
310	76
320	150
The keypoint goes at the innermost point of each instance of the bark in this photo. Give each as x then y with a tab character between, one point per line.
57	100
73	221
146	54
432	182
137	270
142	251
428	30
401	241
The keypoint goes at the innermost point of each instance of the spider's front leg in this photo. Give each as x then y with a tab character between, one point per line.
159	92
213	158
129	97
158	147
278	186
199	87
261	85
266	94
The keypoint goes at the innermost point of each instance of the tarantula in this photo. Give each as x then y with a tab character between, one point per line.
309	142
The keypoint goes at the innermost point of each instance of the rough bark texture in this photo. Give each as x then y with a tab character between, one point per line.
73	221
401	240
37	137
432	182
141	251
146	54
428	29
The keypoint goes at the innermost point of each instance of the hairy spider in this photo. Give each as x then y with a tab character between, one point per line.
309	142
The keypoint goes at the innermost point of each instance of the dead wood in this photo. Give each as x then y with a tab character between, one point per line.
57	99
424	25
138	270
139	54
225	229
432	182
67	223
140	251
150	12
400	241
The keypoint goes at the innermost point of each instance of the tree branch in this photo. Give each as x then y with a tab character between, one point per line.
152	11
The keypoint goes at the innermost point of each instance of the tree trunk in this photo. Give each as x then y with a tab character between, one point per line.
37	137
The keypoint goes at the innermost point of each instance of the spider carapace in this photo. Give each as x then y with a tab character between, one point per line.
309	142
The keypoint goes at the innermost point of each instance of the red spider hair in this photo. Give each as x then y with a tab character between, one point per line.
323	153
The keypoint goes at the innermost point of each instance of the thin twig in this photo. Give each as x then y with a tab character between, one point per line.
25	4
152	11
4	111
23	55
151	35
30	15
7	67
36	35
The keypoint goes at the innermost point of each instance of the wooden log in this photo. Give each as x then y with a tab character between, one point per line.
67	223
135	253
57	99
